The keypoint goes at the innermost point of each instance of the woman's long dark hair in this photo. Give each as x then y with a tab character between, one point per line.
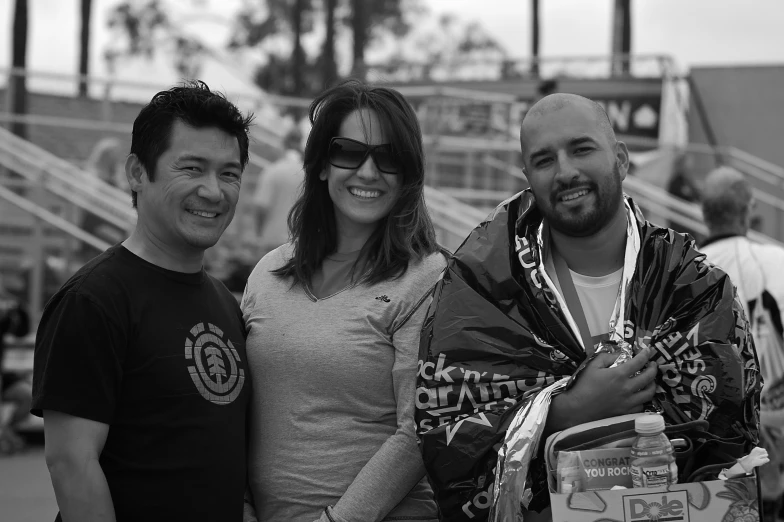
406	233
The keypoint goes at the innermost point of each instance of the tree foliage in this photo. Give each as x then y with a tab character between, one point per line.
373	20
259	21
263	25
260	24
141	23
144	27
273	34
454	48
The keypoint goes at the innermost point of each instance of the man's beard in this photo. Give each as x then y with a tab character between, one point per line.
582	221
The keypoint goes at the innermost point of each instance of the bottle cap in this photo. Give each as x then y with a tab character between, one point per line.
649	424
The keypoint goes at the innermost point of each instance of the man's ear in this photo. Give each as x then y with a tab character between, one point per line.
135	173
622	157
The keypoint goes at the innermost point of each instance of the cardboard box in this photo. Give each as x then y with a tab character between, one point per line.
714	501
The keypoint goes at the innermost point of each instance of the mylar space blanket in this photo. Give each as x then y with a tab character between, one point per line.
497	345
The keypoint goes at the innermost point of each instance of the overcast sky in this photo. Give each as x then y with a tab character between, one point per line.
694	32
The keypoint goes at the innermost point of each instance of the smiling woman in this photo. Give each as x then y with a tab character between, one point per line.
362	194
366	145
340	307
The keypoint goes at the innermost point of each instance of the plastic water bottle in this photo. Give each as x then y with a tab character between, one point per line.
652	460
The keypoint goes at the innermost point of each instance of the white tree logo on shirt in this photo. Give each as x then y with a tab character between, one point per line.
215	372
215	363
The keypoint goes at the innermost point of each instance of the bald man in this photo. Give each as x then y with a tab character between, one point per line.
558	276
727	205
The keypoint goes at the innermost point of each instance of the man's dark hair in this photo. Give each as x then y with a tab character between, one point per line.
406	233
547	87
194	104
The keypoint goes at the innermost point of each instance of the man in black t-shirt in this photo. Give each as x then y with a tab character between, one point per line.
140	371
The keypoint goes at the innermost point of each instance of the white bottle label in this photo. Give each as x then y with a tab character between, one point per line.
650	476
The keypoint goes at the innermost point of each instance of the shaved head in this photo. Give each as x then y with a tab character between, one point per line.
573	163
559	101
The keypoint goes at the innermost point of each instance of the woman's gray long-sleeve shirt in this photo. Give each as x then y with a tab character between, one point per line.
334	380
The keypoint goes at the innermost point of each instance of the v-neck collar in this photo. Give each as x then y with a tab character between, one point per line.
312	296
339	257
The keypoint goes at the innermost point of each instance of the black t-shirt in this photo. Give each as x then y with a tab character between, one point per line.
160	357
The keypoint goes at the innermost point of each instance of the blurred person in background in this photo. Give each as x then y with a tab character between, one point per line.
276	193
15	390
755	269
106	163
545	88
333	321
136	427
682	186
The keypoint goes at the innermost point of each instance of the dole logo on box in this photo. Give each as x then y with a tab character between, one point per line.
668	506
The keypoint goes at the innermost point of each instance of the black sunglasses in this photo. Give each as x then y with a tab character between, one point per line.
346	153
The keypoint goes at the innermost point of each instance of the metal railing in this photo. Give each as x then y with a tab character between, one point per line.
453	219
487	154
87	191
64	83
65	180
661	203
767	180
677	210
715	155
476	166
36	210
125	128
596	66
113	90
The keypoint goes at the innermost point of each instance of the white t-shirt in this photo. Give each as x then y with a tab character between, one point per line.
755	270
597	297
751	266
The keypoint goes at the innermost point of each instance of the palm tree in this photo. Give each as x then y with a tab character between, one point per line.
535	37
298	53
328	61
84	47
622	37
17	85
360	27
